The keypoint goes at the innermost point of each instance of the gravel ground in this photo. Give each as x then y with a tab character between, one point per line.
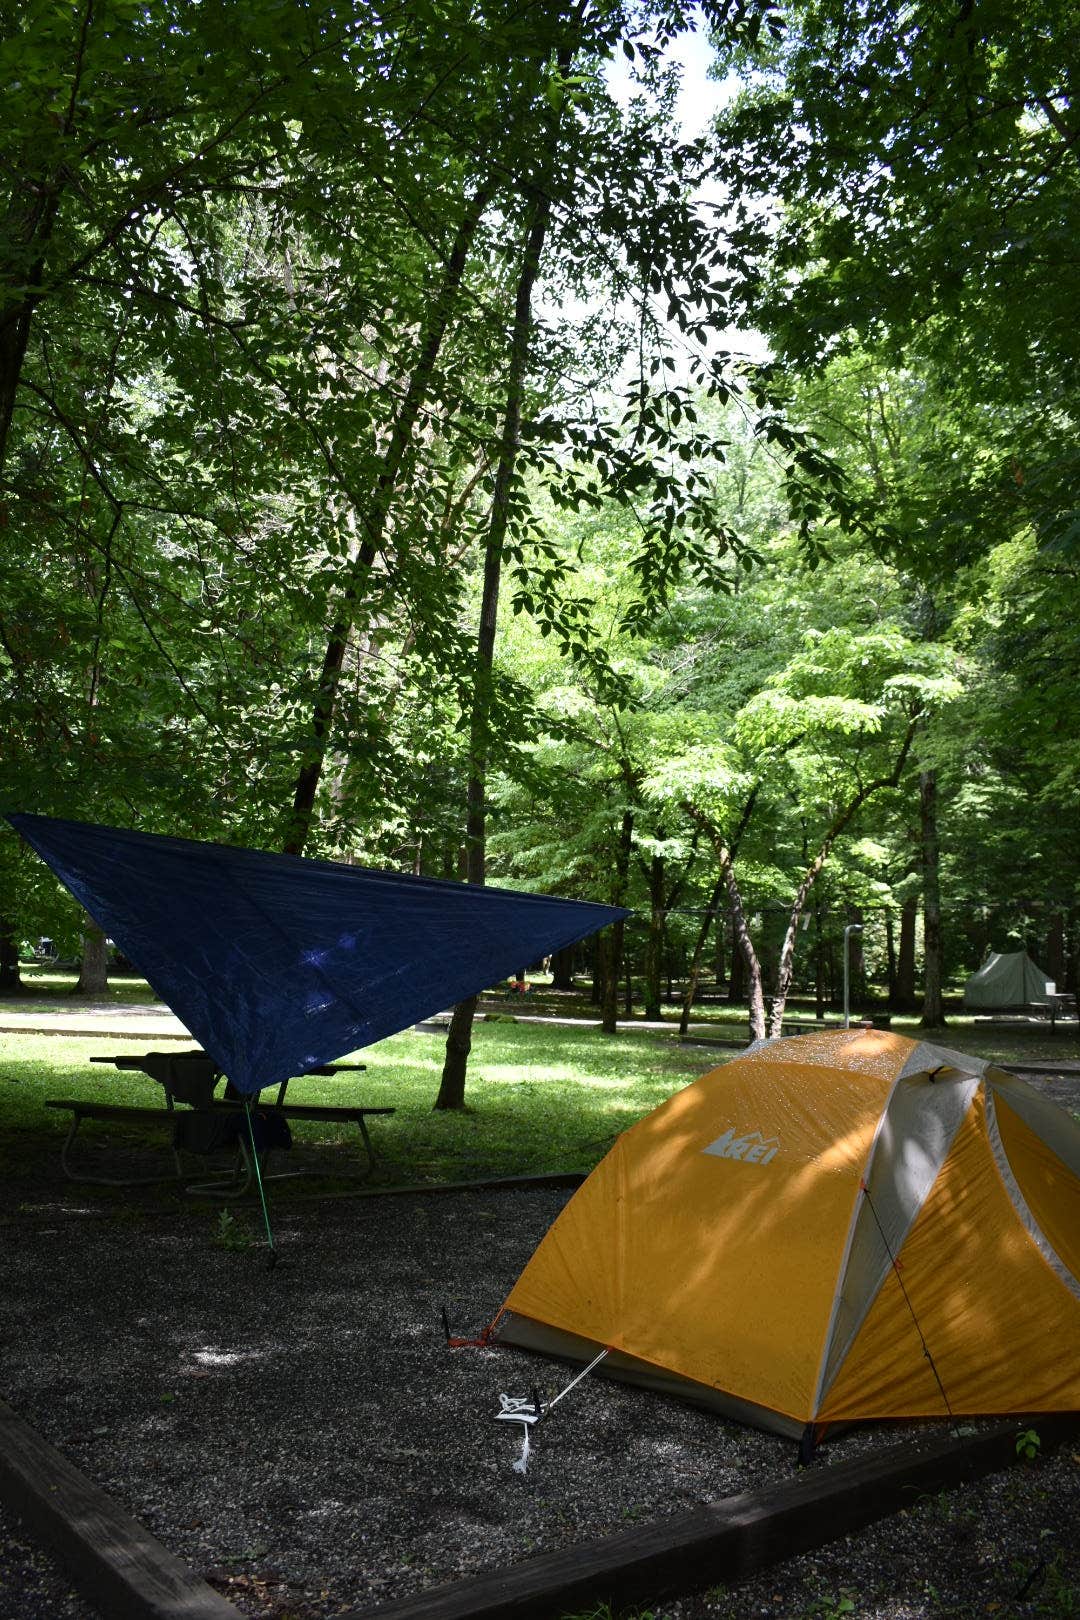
307	1442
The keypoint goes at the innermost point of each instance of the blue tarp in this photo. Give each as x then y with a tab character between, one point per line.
276	963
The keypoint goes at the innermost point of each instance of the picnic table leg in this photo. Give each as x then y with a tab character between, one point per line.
225	1183
73	1128
111	1181
367	1143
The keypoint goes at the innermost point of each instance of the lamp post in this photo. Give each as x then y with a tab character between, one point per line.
852	928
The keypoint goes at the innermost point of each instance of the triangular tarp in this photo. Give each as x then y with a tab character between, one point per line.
1007	979
829	1228
276	963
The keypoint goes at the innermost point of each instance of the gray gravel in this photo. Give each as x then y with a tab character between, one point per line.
307	1442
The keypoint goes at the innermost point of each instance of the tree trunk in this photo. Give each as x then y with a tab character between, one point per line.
375	522
753	966
840	822
29	238
698	953
94	969
819	967
596	966
562	969
654	945
14	339
933	1012
737	981
1055	949
610	962
611	940
903	997
459	1042
604	996
10	978
727	853
456	1057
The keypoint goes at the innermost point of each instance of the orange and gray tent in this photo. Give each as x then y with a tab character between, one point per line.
830	1228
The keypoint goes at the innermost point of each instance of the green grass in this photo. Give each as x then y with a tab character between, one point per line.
52	986
540	1098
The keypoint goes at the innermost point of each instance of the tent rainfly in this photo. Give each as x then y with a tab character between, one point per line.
277	964
830	1228
1007	979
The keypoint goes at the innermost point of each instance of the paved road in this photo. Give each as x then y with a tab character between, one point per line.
94	1018
154	1019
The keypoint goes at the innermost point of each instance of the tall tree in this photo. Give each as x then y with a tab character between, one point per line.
459	1038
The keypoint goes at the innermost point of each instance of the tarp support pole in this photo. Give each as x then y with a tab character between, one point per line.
272	1258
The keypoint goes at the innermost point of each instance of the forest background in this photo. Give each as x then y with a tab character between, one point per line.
380	477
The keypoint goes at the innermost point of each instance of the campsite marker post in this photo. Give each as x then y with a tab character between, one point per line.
852	928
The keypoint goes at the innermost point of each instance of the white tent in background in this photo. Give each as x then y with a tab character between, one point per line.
1007	979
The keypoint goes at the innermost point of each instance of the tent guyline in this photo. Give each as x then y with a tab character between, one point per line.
529	1411
897	1273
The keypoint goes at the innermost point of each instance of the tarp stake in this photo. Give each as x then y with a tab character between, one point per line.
482	1340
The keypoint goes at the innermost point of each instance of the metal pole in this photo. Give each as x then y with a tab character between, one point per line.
852	928
249	1102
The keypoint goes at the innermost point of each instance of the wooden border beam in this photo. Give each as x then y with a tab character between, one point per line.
112	1559
728	1540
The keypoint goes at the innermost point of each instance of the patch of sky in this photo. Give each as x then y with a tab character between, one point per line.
698	99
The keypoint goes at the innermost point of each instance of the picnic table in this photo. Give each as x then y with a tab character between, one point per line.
1055	1006
203	1124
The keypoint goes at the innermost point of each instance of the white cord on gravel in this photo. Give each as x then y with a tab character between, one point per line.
519	1409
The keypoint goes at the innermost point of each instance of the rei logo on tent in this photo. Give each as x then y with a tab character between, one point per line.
751	1149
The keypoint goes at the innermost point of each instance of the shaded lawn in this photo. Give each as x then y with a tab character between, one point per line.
1009	1043
48	984
540	1098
